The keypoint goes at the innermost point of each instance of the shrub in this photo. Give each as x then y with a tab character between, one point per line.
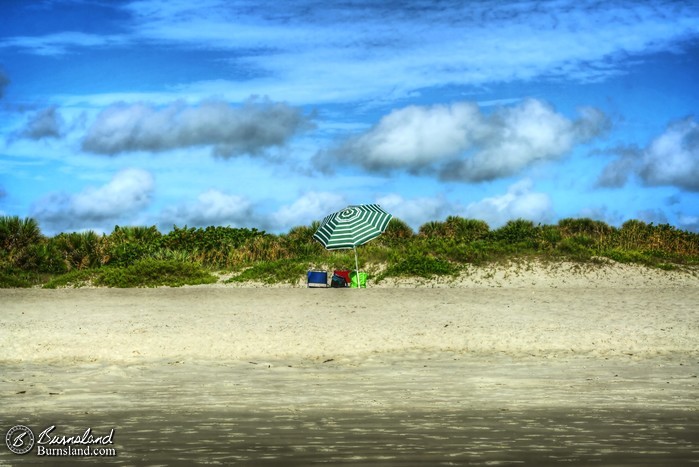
154	273
628	256
16	233
299	242
517	231
476	252
396	231
74	278
577	248
129	244
17	239
633	234
130	234
456	228
270	272
432	229
17	278
420	266
209	238
466	230
212	246
82	250
585	226
262	248
549	237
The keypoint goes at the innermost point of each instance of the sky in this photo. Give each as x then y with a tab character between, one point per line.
273	114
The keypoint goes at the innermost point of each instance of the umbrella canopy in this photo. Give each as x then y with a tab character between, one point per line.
351	227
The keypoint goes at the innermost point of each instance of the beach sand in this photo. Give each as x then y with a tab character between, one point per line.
528	364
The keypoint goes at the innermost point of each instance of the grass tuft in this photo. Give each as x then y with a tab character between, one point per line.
419	266
271	272
155	273
74	278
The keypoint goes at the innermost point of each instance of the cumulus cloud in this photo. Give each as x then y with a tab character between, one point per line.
673	157
312	206
45	123
252	128
522	135
670	159
416	211
519	202
128	192
211	207
463	143
415	137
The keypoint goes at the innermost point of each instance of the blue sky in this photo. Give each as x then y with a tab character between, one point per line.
272	114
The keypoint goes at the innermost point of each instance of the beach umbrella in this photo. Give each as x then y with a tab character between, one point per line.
352	227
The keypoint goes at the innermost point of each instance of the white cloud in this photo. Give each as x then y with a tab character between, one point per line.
670	159
416	211
250	129
312	206
414	137
465	144
673	157
129	192
212	207
519	202
522	135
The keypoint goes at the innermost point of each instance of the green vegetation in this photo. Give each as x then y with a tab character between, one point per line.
153	272
419	266
270	272
139	256
143	273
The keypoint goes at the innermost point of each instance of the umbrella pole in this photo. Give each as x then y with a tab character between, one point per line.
356	266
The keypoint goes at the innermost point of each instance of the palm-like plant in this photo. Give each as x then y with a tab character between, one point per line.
17	237
16	233
82	250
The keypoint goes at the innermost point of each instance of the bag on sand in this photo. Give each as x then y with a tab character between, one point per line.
358	283
338	281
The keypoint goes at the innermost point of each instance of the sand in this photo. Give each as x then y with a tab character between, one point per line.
528	364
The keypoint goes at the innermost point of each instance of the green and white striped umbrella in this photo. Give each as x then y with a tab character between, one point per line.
351	227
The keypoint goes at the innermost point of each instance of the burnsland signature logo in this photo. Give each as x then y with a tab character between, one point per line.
45	437
20	440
